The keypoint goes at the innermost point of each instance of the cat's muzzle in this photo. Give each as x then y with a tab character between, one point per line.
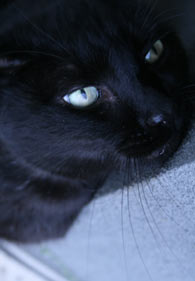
154	139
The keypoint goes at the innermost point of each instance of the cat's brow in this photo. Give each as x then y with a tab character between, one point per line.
6	63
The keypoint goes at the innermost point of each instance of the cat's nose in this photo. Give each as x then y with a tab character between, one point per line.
158	120
160	125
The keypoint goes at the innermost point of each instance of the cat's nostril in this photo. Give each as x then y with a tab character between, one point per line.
157	120
160	126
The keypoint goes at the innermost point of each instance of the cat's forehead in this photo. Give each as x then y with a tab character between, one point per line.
97	22
97	29
91	35
72	24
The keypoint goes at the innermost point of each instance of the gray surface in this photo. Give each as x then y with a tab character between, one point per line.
18	265
11	270
150	238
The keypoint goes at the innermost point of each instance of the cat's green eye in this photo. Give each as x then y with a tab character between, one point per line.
155	52
82	98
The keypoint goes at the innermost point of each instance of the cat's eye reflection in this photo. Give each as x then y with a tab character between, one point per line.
155	52
82	98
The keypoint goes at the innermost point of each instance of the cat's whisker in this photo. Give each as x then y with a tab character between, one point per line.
171	18
149	12
140	184
132	160
179	205
163	209
151	214
160	18
154	24
129	176
125	181
123	233
172	220
89	232
154	21
158	229
164	13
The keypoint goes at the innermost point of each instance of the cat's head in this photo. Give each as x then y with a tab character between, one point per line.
95	80
88	85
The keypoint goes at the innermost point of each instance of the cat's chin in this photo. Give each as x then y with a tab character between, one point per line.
161	153
165	151
146	165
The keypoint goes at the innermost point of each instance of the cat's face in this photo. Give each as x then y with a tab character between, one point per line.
88	84
99	82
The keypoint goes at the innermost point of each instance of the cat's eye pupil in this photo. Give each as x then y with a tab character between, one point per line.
83	93
154	50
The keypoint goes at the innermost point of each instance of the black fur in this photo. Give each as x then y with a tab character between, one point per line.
55	157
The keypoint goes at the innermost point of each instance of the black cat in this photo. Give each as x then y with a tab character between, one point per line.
85	87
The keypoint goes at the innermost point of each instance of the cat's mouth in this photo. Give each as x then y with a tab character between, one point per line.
161	147
157	142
